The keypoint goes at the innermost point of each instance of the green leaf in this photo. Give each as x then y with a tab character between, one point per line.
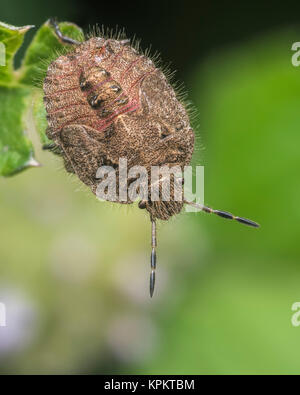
18	90
39	117
43	49
16	151
11	38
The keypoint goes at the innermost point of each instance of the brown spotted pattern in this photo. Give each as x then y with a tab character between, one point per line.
105	101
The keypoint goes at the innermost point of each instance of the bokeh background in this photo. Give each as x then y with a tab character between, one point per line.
74	271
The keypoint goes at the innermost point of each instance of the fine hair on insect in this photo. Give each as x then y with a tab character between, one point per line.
106	100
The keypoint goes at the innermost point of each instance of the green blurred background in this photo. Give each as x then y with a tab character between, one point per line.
74	271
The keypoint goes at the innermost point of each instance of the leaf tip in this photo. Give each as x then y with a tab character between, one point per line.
32	163
24	29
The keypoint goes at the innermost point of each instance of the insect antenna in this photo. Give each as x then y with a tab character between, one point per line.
223	214
58	32
153	256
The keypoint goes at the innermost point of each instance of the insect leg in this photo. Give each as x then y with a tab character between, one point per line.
58	32
53	148
82	152
223	214
153	257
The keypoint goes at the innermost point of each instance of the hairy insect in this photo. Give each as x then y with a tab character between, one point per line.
106	101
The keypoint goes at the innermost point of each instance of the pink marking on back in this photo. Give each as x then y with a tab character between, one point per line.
61	91
64	107
141	78
133	105
103	125
98	85
130	66
61	76
117	56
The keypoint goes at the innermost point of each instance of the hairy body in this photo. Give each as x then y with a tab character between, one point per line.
106	101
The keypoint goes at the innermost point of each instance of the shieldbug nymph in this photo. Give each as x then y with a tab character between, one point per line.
106	101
